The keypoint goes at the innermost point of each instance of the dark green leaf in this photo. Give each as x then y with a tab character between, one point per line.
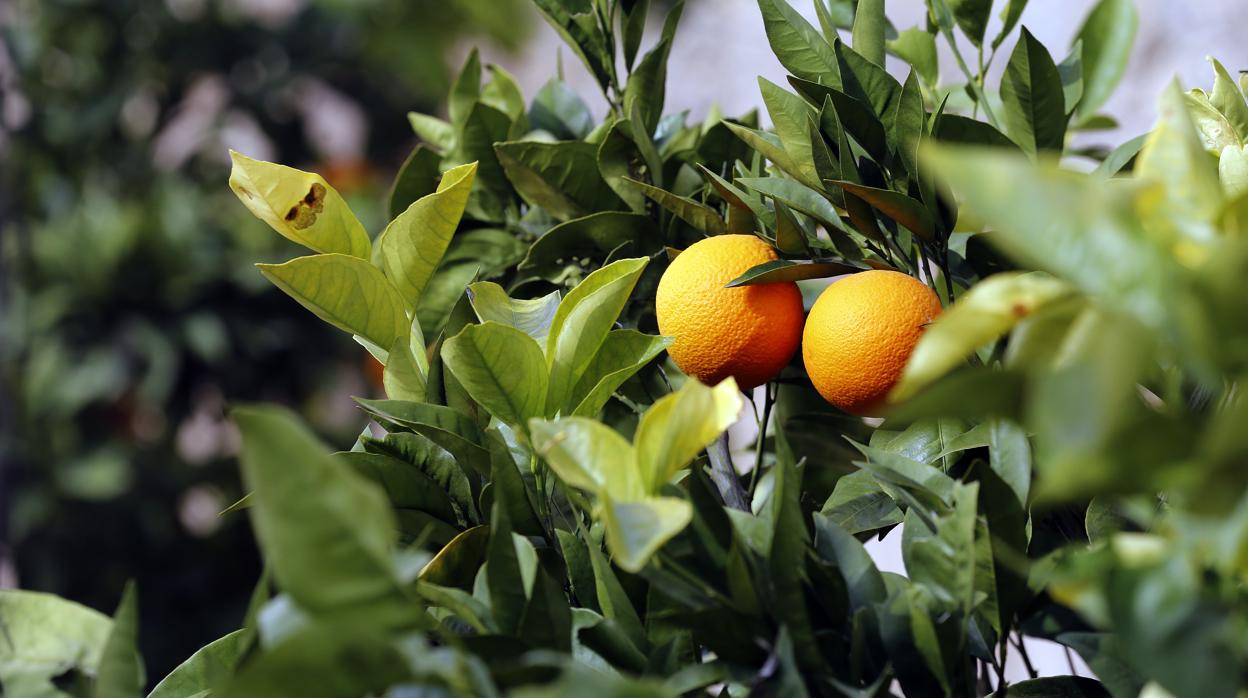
953	128
901	208
972	17
1033	98
797	45
560	177
416	178
700	216
1056	687
868	30
594	236
780	270
558	110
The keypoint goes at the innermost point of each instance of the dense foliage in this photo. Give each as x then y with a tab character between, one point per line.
539	506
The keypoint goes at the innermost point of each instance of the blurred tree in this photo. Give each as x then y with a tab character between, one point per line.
129	312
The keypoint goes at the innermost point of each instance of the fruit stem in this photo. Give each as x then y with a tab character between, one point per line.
724	475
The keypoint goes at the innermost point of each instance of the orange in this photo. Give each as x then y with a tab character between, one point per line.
747	332
860	334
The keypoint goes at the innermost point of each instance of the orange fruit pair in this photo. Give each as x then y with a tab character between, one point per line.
855	342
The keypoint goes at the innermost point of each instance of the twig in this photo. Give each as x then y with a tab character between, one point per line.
1070	661
762	435
1022	652
724	475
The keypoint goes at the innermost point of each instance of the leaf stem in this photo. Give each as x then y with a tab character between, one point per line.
724	475
760	443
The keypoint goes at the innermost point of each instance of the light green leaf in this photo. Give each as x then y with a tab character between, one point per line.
1233	171
1228	99
1071	72
121	669
1107	35
301	206
410	248
345	291
918	48
984	314
679	425
581	324
404	374
502	368
1215	130
588	455
326	532
635	530
1173	155
943	560
868	30
798	46
531	316
432	130
503	93
45	636
622	354
207	667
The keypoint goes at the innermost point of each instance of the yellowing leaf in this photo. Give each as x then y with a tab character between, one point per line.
403	377
301	206
678	426
530	316
636	530
588	455
1174	156
410	248
345	291
985	313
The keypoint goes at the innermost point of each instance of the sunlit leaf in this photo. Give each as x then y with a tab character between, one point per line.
589	455
502	368
678	426
635	530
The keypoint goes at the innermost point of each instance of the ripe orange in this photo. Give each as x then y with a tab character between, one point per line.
860	334
747	332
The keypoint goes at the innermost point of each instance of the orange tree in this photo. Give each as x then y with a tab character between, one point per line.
544	505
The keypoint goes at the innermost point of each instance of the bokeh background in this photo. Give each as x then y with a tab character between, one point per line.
130	314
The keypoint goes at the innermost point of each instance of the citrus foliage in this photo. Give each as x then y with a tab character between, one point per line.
535	514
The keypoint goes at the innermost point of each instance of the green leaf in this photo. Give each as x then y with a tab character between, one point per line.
858	504
207	668
1010	15
447	427
326	532
412	245
624	153
953	128
622	354
867	82
862	579
561	177
1233	171
347	659
796	196
502	368
465	90
547	617
942	560
301	206
635	530
1107	35
576	24
901	208
1033	97
868	30
1121	156
460	603
780	270
918	48
581	324
45	636
404	375
437	133
121	669
1071	70
1056	687
558	110
633	27
798	46
595	236
345	291
1229	100
504	578
984	314
484	127
588	455
456	564
769	147
790	544
406	485
972	17
791	117
1173	155
700	216
531	316
1009	455
679	425
612	598
503	93
645	91
417	177
424	454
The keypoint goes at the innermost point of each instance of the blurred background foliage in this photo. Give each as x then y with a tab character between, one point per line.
129	311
